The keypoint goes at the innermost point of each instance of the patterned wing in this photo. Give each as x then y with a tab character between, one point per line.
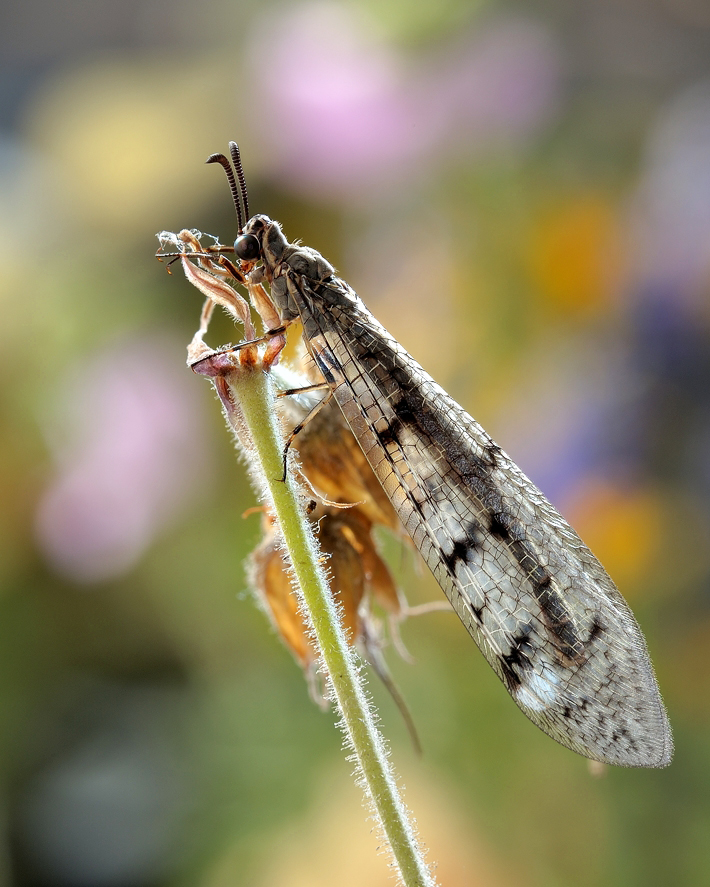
540	606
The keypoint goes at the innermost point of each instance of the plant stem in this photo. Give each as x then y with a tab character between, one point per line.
253	389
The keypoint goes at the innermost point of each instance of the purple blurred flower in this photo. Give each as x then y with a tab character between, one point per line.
345	111
130	455
564	428
669	299
672	207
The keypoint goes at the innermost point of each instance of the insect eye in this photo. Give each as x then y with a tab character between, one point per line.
246	246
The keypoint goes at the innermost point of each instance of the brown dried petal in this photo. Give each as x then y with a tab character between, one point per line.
336	467
221	293
278	598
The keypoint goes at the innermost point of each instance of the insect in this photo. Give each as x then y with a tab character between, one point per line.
539	605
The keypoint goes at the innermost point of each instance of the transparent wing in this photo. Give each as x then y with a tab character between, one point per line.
540	606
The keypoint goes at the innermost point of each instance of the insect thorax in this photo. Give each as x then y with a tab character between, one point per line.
284	260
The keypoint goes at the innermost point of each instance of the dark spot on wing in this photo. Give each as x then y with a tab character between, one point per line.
402	410
541	581
498	527
554	612
597	629
402	377
396	383
557	617
391	432
492	453
458	553
463	546
576	711
519	659
510	678
367	356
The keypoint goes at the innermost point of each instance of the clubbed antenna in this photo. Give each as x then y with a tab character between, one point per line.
237	160
221	159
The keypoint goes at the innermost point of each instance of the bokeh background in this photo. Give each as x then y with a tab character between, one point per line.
521	194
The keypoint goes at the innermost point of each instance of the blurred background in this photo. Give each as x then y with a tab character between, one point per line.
521	194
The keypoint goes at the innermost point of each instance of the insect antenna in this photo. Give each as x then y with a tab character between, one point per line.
221	159
237	161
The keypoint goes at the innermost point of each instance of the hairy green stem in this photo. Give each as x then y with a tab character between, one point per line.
253	390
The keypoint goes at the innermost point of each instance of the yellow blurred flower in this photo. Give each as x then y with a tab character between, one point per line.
574	255
119	133
623	527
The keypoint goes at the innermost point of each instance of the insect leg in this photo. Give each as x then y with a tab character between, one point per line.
317	386
301	425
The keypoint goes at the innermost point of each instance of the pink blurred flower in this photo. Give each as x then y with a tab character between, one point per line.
344	110
130	455
497	84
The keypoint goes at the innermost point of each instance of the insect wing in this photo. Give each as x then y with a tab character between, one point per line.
540	606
